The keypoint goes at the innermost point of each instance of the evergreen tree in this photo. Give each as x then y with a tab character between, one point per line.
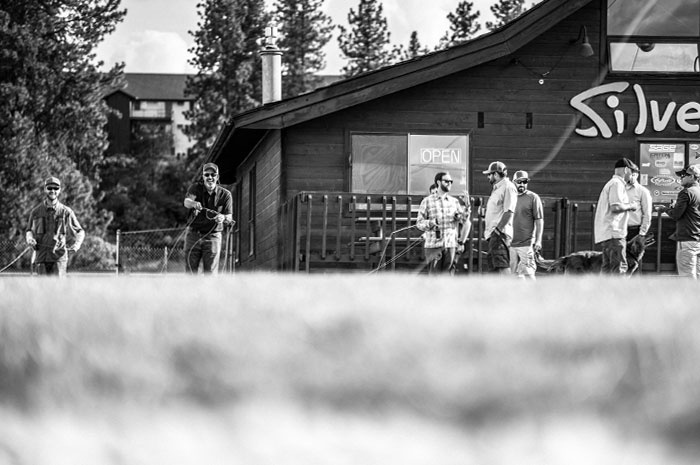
52	115
463	25
304	30
414	49
229	77
505	11
366	44
144	189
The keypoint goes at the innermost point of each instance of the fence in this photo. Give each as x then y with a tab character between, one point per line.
162	251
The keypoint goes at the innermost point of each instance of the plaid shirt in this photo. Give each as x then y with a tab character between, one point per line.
447	212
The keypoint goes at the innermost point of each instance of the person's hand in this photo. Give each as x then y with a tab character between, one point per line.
31	242
460	247
72	248
197	206
537	248
634	205
219	218
432	224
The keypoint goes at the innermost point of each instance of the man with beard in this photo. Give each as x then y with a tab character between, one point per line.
51	227
686	211
211	206
499	218
528	224
440	215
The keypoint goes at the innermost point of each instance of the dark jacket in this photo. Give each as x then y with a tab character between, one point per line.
687	214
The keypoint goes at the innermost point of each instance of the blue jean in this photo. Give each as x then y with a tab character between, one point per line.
614	256
52	268
202	247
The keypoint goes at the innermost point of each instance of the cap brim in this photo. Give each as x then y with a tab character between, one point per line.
488	172
679	173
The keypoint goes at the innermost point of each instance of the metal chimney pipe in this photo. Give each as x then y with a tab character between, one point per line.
271	67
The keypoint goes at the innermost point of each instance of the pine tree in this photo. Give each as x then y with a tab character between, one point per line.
463	25
505	11
304	31
228	79
52	116
414	49
366	44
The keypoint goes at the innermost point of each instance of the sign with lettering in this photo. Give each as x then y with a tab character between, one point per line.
431	154
658	163
686	116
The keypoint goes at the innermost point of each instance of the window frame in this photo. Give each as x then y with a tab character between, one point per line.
467	133
610	39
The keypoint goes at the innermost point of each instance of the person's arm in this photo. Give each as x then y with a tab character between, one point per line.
646	211
423	222
510	199
76	231
619	202
29	235
190	202
677	210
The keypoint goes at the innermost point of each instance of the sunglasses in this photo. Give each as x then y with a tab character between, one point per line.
448	181
53	188
521	182
209	175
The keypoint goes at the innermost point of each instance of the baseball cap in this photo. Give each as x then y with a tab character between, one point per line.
210	166
496	167
691	170
52	181
625	163
520	174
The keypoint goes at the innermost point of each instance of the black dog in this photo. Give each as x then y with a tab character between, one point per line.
589	261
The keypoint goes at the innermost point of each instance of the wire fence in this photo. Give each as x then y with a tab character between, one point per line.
151	251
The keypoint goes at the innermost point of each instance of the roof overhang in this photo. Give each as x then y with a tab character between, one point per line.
372	85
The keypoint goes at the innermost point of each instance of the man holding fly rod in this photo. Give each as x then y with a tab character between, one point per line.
440	215
211	205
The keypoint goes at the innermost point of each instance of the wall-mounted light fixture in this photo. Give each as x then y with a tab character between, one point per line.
583	45
583	48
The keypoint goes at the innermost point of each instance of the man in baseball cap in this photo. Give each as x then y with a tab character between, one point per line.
499	218
686	211
53	231
210	207
611	216
528	225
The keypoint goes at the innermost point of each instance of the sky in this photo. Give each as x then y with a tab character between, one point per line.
154	37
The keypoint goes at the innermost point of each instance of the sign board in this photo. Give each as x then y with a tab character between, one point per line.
658	163
431	154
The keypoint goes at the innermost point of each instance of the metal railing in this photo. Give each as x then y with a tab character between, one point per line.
324	231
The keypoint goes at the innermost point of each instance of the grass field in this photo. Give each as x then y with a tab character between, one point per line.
387	369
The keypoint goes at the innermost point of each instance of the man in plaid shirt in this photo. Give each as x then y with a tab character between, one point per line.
440	215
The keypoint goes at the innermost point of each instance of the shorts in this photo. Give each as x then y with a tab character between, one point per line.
498	254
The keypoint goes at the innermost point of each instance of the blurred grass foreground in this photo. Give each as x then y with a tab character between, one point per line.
279	369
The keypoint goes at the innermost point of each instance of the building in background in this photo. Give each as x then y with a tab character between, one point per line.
149	99
562	92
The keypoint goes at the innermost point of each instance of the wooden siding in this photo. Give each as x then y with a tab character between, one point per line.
561	163
268	170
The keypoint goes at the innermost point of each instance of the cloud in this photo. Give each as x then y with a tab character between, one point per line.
149	52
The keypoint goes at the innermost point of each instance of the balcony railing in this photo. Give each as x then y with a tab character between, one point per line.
330	231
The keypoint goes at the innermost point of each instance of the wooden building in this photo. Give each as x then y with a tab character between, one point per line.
321	180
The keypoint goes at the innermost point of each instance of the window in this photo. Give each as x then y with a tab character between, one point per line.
653	36
658	162
407	163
